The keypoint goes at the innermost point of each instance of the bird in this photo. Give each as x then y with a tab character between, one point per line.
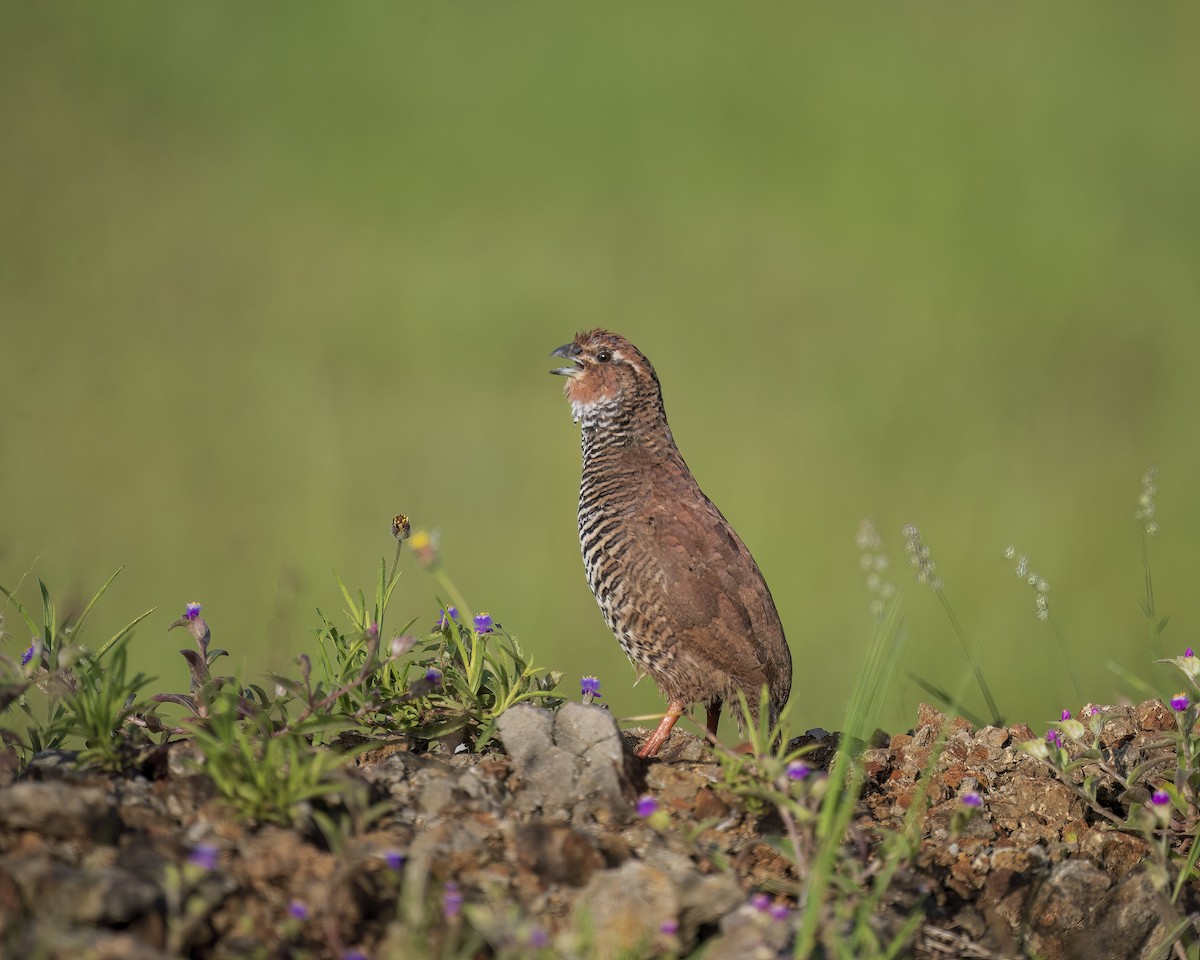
674	581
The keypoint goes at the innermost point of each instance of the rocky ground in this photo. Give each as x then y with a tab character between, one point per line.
538	850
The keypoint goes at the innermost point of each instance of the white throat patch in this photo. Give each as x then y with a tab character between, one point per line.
589	414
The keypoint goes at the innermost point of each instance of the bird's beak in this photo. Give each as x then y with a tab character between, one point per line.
568	351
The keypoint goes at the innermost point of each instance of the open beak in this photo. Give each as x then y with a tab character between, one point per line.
568	351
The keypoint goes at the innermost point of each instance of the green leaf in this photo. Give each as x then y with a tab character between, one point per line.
34	630
77	626
122	633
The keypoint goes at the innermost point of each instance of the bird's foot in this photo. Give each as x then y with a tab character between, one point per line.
651	747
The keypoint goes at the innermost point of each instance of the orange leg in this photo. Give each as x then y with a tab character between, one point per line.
651	747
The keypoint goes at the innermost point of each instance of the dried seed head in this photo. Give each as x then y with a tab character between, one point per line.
872	561
1146	511
919	557
1039	583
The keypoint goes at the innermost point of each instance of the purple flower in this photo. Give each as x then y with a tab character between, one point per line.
451	612
452	901
27	655
538	938
1054	738
483	623
1188	652
1066	715
394	859
204	855
779	911
354	955
1179	702
647	806
971	799
434	675
373	630
191	611
1160	798
760	902
590	688
669	927
798	770
297	910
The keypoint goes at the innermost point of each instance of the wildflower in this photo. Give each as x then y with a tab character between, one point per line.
760	902
204	855
434	675
1160	798
28	654
452	901
483	623
971	799
354	955
450	612
191	611
1066	715
298	910
1179	702
424	546
401	527
798	770
669	927
779	911
590	688
402	644
647	806
1054	738
394	859
538	939
373	630
1188	652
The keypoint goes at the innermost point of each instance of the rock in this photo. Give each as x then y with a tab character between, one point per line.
749	934
1061	908
625	910
543	845
568	764
588	732
1079	915
110	896
59	809
556	852
50	941
527	732
1153	715
1129	921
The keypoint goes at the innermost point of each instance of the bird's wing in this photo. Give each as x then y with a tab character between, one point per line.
713	585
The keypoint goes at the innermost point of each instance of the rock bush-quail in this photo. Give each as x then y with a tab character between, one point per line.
674	581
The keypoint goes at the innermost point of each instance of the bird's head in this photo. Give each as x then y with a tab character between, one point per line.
607	375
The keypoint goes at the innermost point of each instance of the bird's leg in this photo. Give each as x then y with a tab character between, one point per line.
651	747
714	718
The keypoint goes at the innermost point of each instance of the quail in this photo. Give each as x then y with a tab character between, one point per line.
673	579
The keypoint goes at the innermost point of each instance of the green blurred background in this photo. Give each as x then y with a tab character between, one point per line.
270	274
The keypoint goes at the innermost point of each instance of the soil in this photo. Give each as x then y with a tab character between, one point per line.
536	848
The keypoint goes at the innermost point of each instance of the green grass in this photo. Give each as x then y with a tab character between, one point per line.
270	275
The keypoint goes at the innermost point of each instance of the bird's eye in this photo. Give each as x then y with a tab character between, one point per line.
604	356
